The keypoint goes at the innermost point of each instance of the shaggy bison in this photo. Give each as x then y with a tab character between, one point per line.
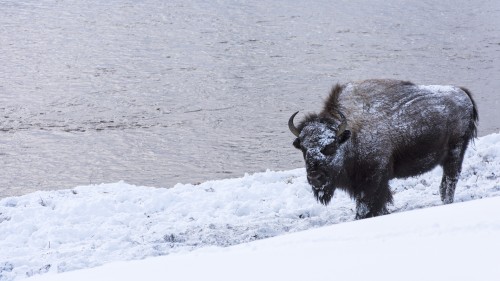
372	131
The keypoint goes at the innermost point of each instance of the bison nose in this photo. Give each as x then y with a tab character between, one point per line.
316	179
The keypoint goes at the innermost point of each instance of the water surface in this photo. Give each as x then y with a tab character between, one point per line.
160	92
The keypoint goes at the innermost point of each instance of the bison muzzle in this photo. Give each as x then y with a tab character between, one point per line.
372	131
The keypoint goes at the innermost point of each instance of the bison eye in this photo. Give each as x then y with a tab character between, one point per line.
329	149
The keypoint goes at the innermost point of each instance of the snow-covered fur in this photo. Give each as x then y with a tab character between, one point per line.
395	129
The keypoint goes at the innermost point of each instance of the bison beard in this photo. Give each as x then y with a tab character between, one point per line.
372	131
323	196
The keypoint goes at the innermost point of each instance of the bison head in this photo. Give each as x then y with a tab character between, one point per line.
320	138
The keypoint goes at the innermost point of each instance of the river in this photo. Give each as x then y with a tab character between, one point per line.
160	92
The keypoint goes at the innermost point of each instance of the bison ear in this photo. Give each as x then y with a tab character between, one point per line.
346	134
296	143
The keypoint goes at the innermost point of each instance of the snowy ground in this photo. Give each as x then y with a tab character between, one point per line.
88	226
452	242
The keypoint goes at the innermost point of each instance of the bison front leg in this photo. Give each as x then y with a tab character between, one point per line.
374	203
362	210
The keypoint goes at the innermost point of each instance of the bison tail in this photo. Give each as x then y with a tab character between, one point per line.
475	115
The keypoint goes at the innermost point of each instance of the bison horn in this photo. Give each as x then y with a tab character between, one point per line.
343	124
292	127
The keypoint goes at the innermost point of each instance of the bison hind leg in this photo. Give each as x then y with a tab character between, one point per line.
447	189
452	166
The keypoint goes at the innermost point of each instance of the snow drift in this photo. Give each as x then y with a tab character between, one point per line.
452	242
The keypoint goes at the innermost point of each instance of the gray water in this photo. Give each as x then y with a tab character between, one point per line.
160	92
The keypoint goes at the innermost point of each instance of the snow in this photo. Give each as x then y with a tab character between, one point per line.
50	232
452	242
439	88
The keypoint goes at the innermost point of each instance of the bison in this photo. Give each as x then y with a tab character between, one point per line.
372	131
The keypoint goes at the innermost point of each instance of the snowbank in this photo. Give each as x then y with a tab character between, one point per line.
452	242
88	226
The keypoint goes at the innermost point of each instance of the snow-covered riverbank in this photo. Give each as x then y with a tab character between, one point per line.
452	242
